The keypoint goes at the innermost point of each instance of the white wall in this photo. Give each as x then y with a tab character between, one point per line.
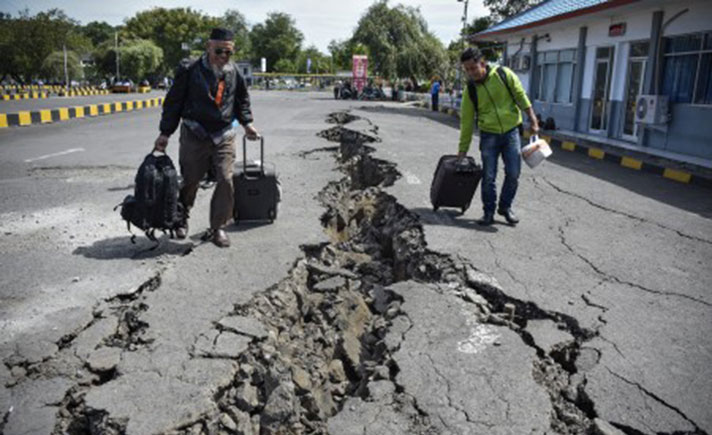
697	19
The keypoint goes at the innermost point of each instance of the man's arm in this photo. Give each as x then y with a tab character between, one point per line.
467	123
173	106
242	109
522	99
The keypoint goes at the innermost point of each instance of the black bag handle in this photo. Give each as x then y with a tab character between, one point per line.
244	157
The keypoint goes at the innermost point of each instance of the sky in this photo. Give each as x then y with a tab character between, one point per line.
319	20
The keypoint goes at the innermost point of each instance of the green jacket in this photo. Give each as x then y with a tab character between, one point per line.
497	112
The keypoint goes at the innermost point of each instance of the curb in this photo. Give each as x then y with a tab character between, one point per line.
666	171
671	171
47	116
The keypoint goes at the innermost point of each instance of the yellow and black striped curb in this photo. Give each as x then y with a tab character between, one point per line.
27	96
676	174
65	113
38	95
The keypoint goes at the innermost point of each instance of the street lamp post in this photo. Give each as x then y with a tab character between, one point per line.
464	44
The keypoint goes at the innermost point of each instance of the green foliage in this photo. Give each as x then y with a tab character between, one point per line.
502	9
139	59
53	66
320	63
285	66
276	39
232	19
98	32
43	34
399	43
168	29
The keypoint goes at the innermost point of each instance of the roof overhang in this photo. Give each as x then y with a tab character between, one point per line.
492	36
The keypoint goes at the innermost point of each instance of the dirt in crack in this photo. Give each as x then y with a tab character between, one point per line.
328	318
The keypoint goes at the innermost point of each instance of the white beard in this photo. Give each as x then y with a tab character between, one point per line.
218	71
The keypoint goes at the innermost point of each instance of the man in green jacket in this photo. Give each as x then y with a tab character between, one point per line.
499	97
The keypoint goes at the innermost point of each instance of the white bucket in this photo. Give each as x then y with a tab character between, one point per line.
536	152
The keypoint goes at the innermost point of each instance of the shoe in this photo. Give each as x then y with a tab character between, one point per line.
182	232
220	239
487	219
509	215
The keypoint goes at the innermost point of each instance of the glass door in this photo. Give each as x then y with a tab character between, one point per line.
601	85
634	87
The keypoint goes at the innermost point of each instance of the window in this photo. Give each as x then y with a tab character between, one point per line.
688	68
556	76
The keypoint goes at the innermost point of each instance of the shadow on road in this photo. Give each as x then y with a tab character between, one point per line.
121	247
452	218
692	198
414	112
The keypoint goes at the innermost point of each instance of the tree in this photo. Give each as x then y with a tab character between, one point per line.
284	66
232	19
491	50
398	42
53	66
26	41
502	9
98	32
275	39
140	59
320	63
168	29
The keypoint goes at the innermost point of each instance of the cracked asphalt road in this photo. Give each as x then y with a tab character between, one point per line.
86	323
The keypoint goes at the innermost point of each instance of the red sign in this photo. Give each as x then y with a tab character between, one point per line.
360	71
616	29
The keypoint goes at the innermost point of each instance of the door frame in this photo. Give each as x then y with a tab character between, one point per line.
607	94
644	61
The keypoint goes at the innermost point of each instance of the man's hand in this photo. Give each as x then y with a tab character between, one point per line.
534	126
161	143
461	155
251	132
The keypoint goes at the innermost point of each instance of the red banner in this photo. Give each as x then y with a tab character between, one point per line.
360	71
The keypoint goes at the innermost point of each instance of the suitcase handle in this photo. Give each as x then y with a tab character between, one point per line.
244	157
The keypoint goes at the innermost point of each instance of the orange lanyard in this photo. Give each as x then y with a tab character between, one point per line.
219	95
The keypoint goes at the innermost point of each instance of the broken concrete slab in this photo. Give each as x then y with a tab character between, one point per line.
547	334
330	284
89	339
359	417
32	416
104	359
244	325
471	377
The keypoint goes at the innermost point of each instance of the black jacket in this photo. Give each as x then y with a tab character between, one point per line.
192	97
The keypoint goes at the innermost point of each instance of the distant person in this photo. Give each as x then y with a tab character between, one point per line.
500	97
435	94
207	95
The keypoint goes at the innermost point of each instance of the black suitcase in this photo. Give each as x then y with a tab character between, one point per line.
455	182
257	190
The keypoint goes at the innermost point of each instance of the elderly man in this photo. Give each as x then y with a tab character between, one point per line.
208	94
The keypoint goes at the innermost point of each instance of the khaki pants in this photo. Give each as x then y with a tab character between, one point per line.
196	156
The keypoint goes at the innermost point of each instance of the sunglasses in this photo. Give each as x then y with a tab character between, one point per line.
221	51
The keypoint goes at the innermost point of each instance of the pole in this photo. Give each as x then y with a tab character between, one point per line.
66	73
464	45
116	45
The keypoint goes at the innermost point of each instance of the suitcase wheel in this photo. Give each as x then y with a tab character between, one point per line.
435	208
270	215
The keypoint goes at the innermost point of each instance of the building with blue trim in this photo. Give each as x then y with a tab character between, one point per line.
630	73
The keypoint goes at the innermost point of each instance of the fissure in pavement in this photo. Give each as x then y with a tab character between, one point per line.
325	323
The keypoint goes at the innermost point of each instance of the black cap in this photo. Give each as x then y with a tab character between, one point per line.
220	34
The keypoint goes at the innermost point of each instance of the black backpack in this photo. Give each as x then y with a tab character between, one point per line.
154	204
472	91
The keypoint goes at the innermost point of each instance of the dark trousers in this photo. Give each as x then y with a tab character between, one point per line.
435	100
196	156
492	146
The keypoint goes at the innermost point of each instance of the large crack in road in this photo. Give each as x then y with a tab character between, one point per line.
322	334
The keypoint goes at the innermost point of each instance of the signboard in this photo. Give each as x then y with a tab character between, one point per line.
616	29
263	65
309	64
360	71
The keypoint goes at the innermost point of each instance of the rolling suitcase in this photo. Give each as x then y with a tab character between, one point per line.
455	182
257	190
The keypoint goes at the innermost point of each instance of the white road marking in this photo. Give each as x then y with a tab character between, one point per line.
61	153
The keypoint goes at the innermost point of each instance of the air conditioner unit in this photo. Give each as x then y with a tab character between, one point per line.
651	109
